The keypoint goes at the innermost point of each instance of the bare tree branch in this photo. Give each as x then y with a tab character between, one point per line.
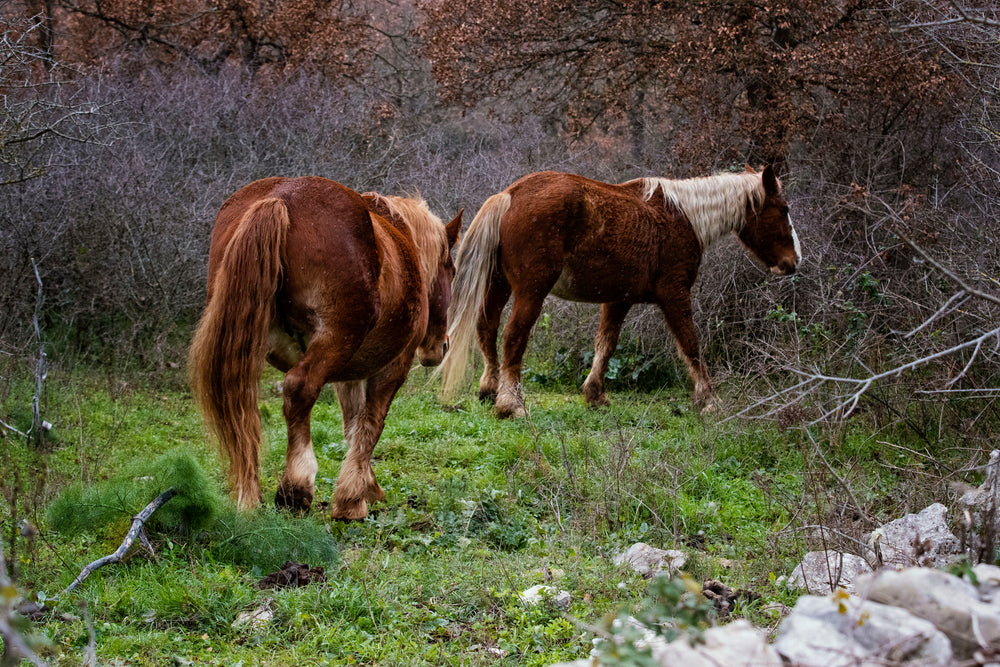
964	16
37	425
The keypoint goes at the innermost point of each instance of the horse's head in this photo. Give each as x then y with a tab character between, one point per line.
768	231
435	342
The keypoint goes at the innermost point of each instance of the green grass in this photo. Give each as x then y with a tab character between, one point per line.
476	510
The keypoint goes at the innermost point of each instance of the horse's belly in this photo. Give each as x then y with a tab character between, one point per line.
564	287
595	287
284	350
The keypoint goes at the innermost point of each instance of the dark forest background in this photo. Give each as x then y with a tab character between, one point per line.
125	125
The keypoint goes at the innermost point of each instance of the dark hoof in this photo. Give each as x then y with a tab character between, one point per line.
354	510
595	402
511	411
297	500
375	494
487	396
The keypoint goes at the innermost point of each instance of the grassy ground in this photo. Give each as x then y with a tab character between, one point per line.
476	511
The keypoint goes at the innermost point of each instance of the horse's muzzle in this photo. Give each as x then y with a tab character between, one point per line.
784	268
434	357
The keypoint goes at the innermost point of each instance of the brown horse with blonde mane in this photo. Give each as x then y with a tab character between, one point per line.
617	245
329	286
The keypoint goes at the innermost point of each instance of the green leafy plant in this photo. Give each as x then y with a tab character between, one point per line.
263	539
93	509
672	608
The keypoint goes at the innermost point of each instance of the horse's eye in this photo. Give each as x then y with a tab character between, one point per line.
784	210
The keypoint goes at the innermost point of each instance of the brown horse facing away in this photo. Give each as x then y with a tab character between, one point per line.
330	287
617	245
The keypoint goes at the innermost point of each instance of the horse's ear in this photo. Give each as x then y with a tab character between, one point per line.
748	169
770	181
453	228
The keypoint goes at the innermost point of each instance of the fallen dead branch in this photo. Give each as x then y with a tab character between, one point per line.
134	532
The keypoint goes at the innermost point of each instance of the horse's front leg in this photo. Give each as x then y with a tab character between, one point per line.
356	485
605	342
677	312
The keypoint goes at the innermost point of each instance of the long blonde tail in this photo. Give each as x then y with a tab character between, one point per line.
227	353
475	262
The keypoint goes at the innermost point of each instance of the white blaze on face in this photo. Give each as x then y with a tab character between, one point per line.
795	240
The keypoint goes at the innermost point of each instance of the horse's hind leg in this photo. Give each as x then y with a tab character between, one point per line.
527	307
489	324
605	342
356	485
351	397
677	312
301	388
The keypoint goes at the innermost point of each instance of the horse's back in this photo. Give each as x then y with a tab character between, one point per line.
603	240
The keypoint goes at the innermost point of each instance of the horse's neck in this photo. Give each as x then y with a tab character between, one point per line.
399	265
714	206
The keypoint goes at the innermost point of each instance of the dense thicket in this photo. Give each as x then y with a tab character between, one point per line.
882	117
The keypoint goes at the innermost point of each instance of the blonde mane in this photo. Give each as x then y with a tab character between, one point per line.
428	231
714	205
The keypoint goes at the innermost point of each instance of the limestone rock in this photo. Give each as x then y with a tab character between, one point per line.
738	644
980	507
843	631
988	582
650	561
951	604
541	592
821	572
922	539
255	620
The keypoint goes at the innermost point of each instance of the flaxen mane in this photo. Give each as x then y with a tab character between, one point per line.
426	228
714	205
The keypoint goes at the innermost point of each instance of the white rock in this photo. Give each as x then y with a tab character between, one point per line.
950	603
737	644
536	594
834	631
821	572
256	619
650	561
988	582
978	504
917	539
